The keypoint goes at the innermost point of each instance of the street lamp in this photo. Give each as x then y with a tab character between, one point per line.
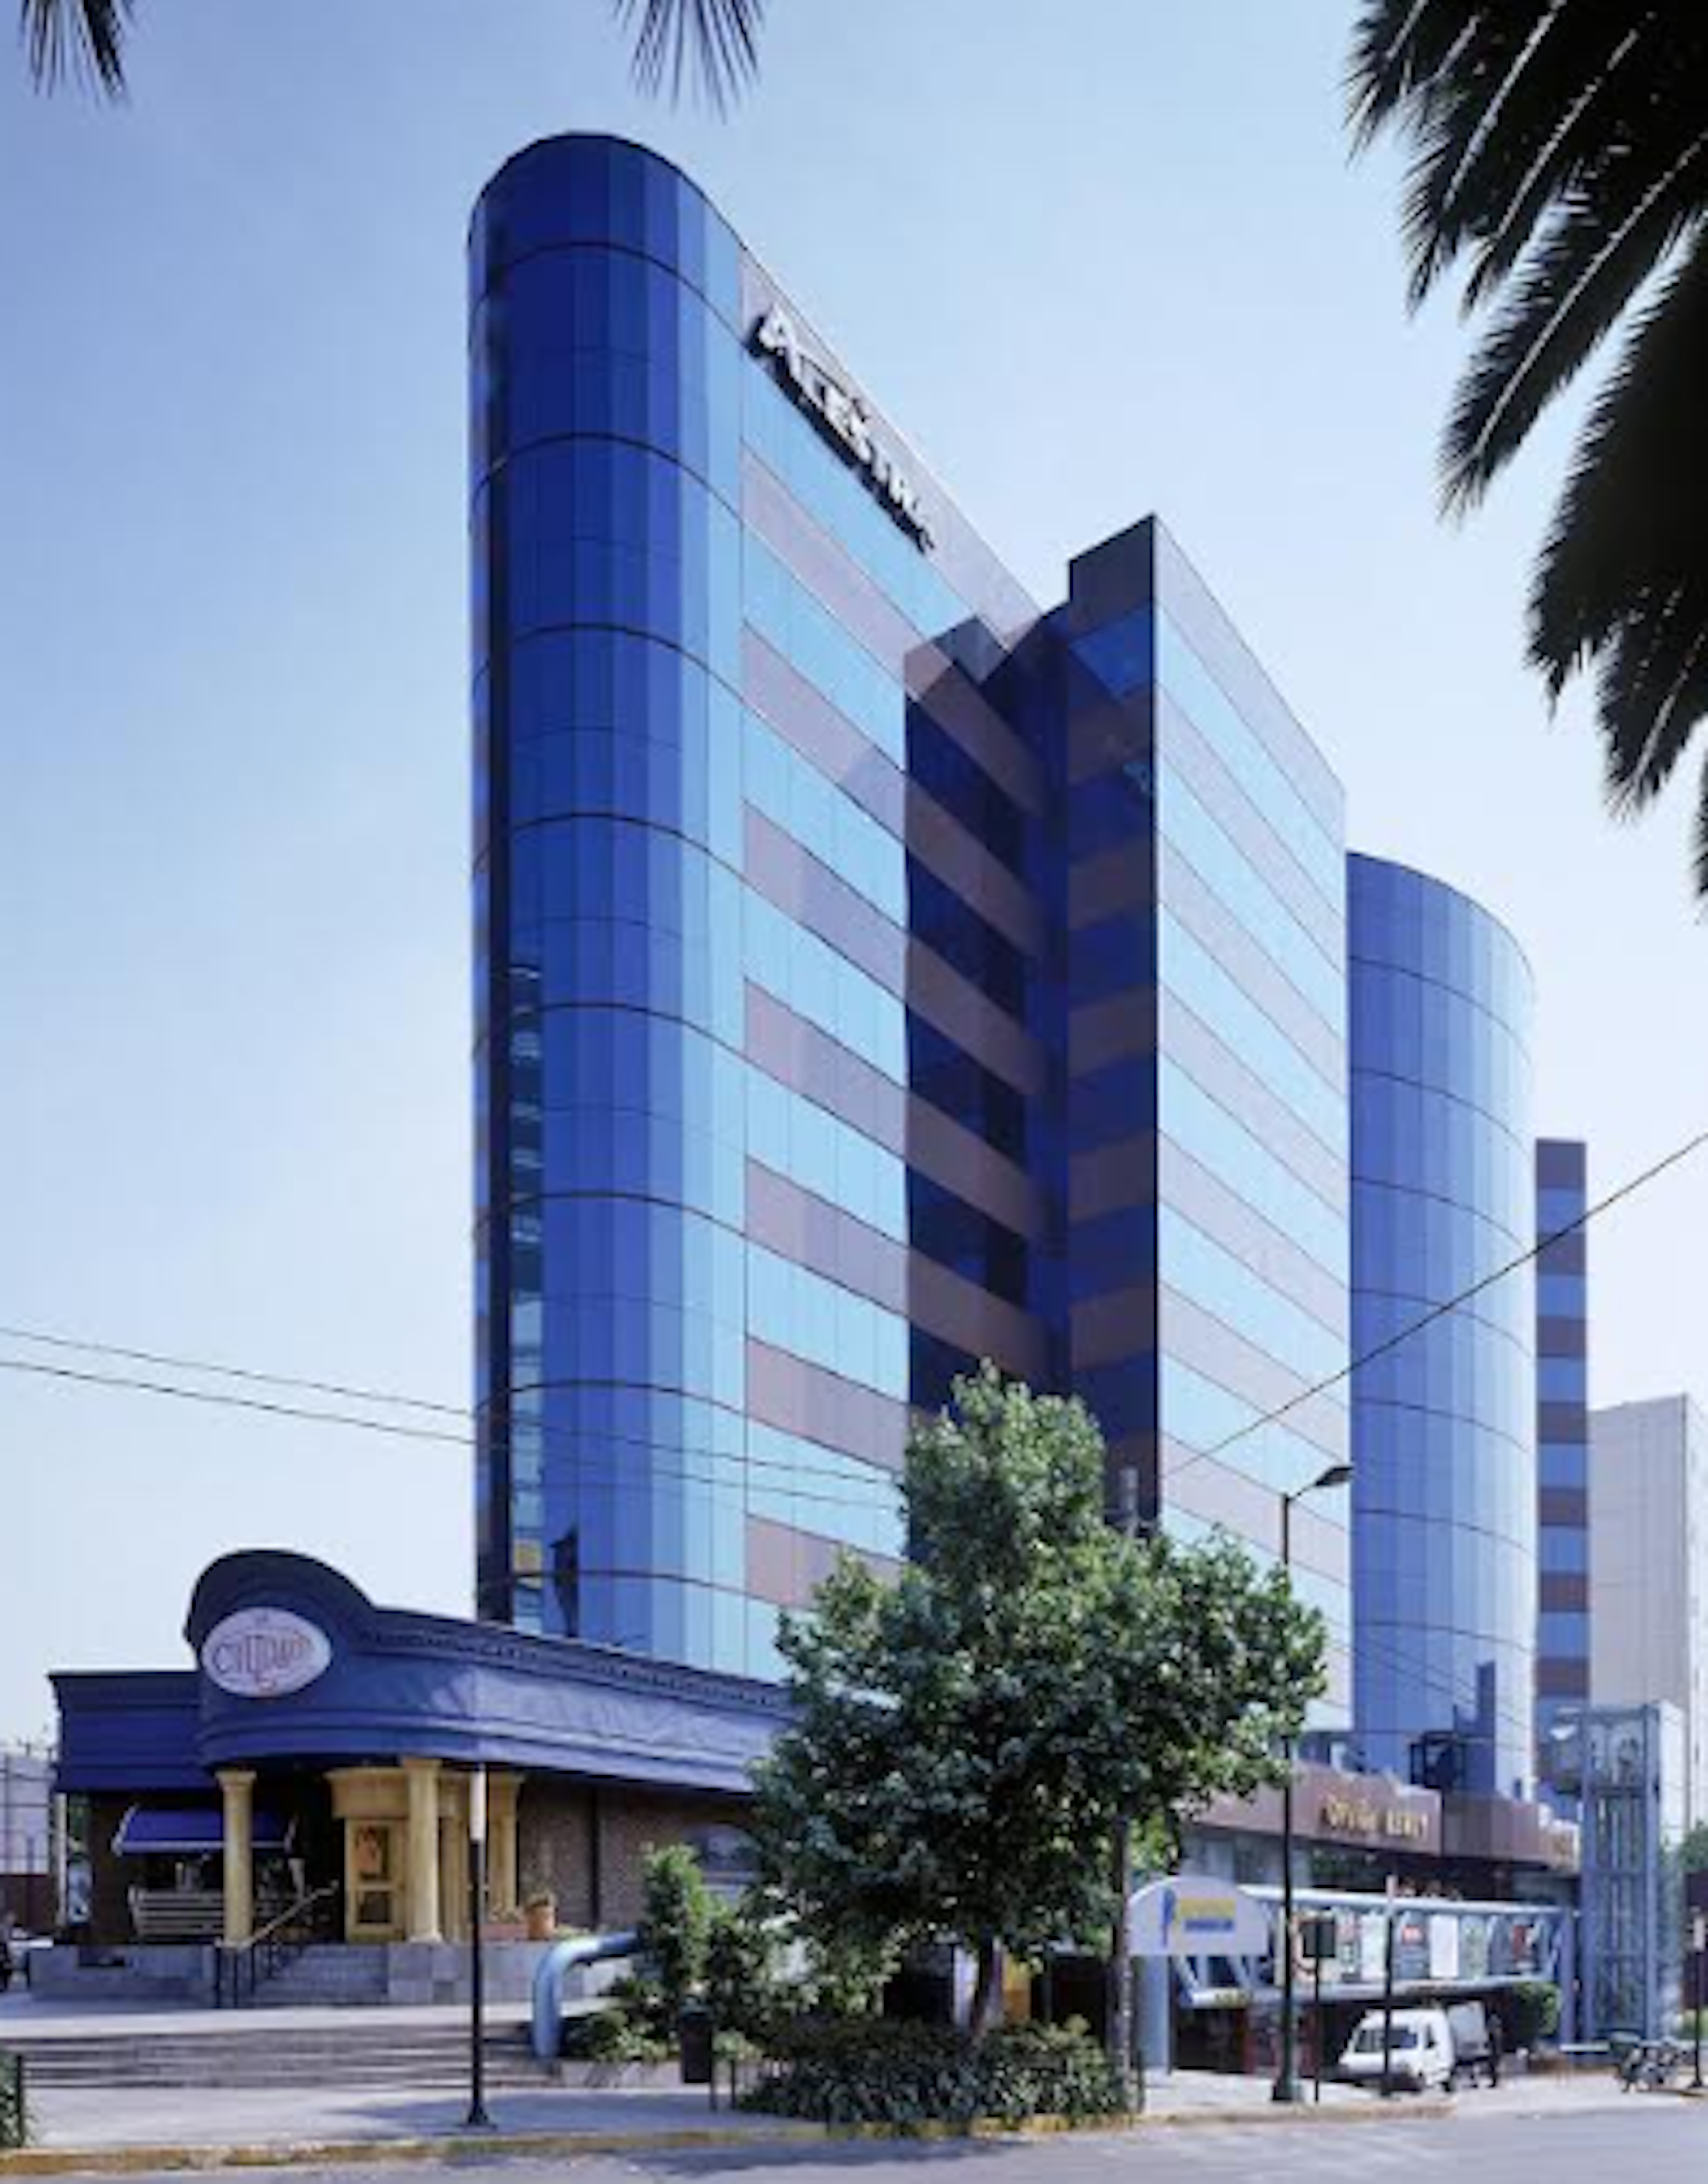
1287	2087
477	2118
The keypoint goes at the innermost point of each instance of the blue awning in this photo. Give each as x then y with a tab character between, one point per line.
191	1831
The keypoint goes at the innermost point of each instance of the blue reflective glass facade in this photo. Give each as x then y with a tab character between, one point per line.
1444	1424
874	971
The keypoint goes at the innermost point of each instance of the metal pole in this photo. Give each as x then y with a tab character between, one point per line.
1699	1934
477	2117
1285	2085
1388	1995
1119	2042
1317	2012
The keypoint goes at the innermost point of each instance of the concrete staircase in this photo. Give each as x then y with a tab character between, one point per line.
386	2049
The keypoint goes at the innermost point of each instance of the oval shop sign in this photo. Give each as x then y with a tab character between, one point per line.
265	1653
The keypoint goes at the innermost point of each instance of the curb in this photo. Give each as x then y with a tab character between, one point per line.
451	2148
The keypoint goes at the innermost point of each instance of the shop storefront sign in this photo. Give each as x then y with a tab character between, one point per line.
1363	1818
844	420
264	1653
1192	1914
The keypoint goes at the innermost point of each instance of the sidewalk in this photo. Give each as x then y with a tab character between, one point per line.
115	2129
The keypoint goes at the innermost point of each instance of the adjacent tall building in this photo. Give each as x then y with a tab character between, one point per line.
1443	1421
1648	1579
1563	1533
877	970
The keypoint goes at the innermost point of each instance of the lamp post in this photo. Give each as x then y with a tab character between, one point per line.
1287	2087
477	2118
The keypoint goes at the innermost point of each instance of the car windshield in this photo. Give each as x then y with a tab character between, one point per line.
1368	2040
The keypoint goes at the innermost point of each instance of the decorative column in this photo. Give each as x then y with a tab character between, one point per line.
422	1776
236	1787
502	1791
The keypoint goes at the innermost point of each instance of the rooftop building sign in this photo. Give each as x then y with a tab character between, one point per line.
844	420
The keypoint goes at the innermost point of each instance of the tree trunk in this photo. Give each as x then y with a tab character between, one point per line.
986	1993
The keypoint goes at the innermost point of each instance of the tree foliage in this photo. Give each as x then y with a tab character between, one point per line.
1560	154
709	45
966	1737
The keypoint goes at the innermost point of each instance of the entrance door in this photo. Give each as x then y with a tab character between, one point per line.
374	1880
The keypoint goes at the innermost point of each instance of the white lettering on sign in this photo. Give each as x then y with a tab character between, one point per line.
264	1653
844	420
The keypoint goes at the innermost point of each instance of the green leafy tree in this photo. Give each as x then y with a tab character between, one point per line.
1561	155
711	44
1693	1852
966	1737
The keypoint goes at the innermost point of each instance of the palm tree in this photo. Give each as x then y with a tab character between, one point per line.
711	44
1561	154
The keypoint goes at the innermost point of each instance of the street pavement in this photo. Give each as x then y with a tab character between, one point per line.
1497	2142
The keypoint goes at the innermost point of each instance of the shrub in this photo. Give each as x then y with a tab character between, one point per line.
882	2070
14	2116
1530	2013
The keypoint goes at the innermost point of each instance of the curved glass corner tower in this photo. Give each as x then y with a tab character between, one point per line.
1443	1425
607	628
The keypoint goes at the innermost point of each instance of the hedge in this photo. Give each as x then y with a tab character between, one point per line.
882	2071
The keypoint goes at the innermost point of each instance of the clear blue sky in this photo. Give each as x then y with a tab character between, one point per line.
1098	258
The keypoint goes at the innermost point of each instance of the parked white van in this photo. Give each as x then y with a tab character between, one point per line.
1425	2049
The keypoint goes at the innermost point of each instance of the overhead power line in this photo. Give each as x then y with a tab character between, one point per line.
1438	1311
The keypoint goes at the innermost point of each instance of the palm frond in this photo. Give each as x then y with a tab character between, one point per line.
1401	50
1576	285
1699	860
713	44
76	41
1623	576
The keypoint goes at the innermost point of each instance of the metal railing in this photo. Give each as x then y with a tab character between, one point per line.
241	1968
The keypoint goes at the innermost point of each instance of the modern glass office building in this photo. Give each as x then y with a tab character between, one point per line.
877	971
1444	1424
1562	1439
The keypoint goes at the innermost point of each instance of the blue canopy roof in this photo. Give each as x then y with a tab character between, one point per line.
190	1831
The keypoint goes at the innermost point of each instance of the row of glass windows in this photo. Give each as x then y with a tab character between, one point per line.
1407	1027
622	1100
1427	1248
1421	928
1563	1379
1451	1368
1112	1104
1194	689
1564	1549
1406	1138
1563	1464
1231	1292
1562	1296
593	1336
811	978
794	795
797	625
1110	812
1115	1251
951	777
1230	875
946	923
1431	1467
793	1309
595	189
965	1238
943	1073
1241	1160
829	1493
826	1157
653	1514
601	532
622	964
1562	1633
791	448
1189	969
671	1618
1558	1209
1200	1414
1116	956
602	343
